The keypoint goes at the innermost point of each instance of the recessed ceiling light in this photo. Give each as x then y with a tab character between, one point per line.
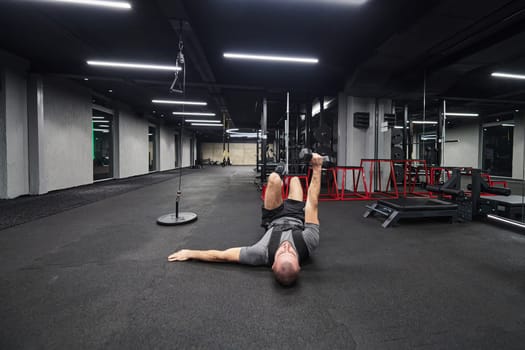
180	102
463	114
505	124
424	122
201	121
110	90
508	75
517	110
86	79
242	56
133	65
194	113
335	2
114	4
205	124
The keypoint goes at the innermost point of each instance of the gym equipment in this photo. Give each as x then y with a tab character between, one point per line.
394	210
452	202
177	218
305	155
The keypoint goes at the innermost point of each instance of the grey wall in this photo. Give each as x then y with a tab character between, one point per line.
518	153
67	136
133	144
3	137
355	144
465	152
14	176
240	153
167	148
46	134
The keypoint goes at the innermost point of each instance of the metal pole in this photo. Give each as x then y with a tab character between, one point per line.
407	143
287	130
263	139
443	134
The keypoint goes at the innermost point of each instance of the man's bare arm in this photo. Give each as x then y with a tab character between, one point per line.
228	255
312	200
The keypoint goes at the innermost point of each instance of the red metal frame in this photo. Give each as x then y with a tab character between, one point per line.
410	179
391	182
355	195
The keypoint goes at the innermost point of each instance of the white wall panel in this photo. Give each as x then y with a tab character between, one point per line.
67	135
518	152
167	148
465	152
133	144
186	150
240	153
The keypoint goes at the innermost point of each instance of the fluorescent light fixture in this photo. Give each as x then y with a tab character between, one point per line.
103	126
506	221
97	117
100	121
194	113
105	131
250	136
508	75
180	102
505	124
424	122
316	109
231	130
205	124
242	56
133	65
201	121
335	2
114	4
463	114
400	127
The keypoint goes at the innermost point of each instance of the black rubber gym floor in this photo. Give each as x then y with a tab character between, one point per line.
96	277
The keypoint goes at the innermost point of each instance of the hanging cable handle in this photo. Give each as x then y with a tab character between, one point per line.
180	62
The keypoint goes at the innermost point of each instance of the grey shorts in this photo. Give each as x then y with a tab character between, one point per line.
289	208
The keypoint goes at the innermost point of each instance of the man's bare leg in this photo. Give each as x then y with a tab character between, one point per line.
273	195
295	190
312	199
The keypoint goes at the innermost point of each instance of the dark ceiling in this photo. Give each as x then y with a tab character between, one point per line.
383	48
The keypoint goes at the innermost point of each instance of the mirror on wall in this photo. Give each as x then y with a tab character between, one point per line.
102	141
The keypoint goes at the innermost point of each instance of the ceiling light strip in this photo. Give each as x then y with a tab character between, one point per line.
133	65
201	121
205	124
508	75
103	3
306	60
424	122
180	102
194	114
462	114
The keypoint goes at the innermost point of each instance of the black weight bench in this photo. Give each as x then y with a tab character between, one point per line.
403	208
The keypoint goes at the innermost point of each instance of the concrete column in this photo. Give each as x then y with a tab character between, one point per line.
14	178
35	123
518	152
3	139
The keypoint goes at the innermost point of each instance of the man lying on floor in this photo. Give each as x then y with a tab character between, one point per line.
292	230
